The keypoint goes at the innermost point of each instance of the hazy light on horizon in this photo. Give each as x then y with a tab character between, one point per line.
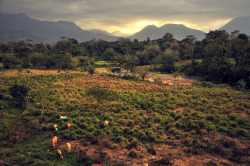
130	29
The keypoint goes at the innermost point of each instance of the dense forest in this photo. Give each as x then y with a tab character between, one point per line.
220	57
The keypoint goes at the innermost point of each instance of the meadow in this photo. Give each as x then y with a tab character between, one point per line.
149	122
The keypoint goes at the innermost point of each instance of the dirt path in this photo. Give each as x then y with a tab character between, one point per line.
164	78
170	80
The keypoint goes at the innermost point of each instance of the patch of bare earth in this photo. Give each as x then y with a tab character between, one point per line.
173	81
159	154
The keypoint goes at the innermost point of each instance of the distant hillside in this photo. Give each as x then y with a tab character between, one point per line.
16	27
116	33
98	31
179	32
240	23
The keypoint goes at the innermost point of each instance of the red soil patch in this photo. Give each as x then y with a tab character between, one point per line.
114	153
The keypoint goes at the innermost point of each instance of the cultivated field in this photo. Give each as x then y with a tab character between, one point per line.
169	123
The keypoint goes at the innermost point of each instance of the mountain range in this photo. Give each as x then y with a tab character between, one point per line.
14	27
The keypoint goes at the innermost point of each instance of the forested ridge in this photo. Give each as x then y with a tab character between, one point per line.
225	57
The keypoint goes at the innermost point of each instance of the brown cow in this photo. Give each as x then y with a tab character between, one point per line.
68	146
59	153
69	125
54	141
55	126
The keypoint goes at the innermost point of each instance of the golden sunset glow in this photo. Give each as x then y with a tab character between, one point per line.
133	27
137	26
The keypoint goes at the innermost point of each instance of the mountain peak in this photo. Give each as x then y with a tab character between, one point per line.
239	23
150	27
173	25
179	32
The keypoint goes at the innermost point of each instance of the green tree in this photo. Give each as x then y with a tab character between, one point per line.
85	61
143	58
152	51
109	54
10	61
143	73
64	45
130	62
60	61
168	60
38	60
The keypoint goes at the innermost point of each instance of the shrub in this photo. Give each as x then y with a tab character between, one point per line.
130	77
120	139
206	84
134	144
222	129
151	150
133	154
242	132
19	93
210	117
101	93
241	84
91	69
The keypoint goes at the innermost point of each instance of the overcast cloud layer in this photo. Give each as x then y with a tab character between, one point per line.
130	16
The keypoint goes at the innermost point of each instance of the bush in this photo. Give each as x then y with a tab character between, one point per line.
130	77
19	93
242	132
101	93
91	69
133	154
134	144
151	150
241	84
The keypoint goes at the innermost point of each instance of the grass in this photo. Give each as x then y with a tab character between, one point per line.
139	113
100	64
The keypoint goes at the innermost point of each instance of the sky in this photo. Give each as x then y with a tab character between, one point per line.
130	16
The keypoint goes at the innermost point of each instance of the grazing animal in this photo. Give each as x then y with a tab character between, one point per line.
69	125
68	146
54	141
55	126
59	153
106	123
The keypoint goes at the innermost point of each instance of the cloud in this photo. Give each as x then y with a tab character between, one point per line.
105	14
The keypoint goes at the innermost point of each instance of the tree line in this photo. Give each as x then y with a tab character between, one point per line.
223	57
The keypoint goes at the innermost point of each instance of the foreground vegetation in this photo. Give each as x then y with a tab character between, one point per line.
149	123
